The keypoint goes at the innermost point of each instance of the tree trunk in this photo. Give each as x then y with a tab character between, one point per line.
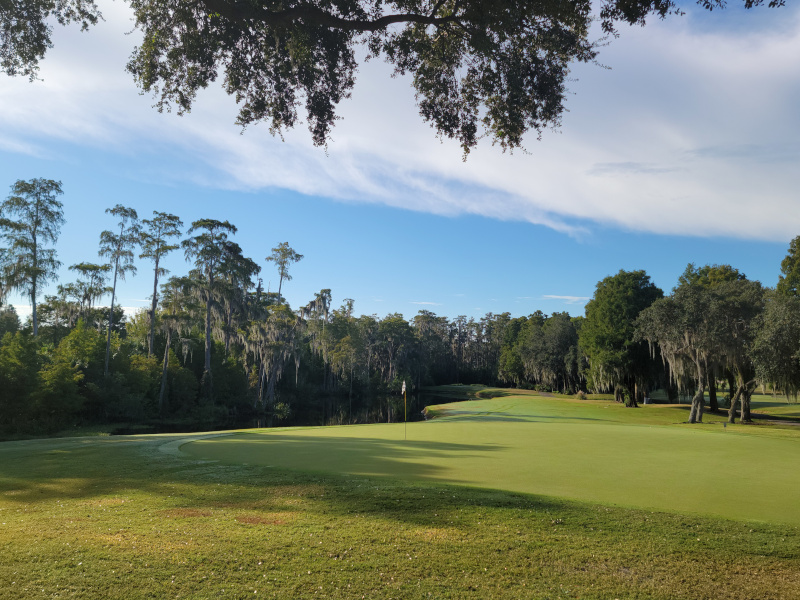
713	406
699	400
163	389
734	399
731	385
745	400
262	368
111	318
630	401
153	313
206	382
34	316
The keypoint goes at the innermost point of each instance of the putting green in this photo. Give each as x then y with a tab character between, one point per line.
521	444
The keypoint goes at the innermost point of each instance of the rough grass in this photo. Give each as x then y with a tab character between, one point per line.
136	517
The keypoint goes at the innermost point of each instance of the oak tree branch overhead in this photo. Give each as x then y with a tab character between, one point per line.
491	69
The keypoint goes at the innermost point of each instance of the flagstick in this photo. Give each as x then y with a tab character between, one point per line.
405	413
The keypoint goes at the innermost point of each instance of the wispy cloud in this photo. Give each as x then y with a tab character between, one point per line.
568	299
784	152
20	147
630	167
428	303
639	148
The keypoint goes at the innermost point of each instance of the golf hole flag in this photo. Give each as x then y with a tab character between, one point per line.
405	412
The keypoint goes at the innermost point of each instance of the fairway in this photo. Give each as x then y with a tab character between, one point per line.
521	496
576	450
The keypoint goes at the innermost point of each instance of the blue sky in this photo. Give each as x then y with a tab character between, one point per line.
685	150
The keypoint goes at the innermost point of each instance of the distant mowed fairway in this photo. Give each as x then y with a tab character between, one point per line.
590	451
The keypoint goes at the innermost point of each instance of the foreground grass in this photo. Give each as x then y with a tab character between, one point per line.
358	512
131	518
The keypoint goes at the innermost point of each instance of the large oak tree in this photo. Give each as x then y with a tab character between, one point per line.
702	325
617	360
494	68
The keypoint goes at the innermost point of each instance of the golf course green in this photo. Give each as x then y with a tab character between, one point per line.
589	451
516	496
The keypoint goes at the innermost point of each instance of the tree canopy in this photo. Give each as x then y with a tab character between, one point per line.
479	68
700	326
118	249
709	276
616	359
283	255
155	245
789	279
26	262
776	348
207	249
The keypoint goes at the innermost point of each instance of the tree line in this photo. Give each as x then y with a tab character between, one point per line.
214	347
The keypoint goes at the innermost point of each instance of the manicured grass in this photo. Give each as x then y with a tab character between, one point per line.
378	517
595	451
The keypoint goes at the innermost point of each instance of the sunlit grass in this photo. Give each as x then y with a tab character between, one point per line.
136	517
591	450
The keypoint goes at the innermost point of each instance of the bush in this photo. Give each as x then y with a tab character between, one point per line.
58	399
144	377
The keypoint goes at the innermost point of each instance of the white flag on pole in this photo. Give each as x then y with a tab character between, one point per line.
404	388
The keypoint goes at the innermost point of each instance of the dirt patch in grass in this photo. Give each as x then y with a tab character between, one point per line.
283	494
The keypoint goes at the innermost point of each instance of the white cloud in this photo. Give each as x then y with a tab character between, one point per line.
567	299
691	133
24	311
428	303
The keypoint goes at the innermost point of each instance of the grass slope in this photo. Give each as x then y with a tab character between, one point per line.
590	451
139	517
